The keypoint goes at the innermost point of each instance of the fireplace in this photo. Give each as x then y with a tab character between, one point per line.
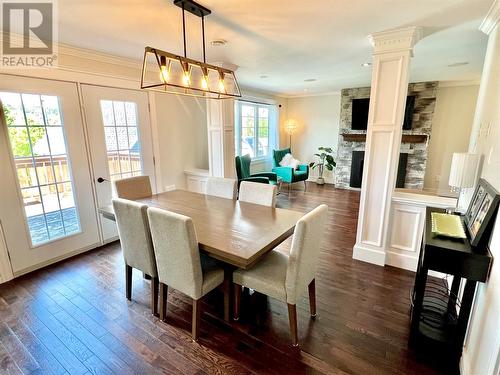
357	164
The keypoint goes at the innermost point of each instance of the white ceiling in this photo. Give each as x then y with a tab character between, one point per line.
288	41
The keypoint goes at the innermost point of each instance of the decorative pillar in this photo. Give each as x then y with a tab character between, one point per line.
220	134
392	51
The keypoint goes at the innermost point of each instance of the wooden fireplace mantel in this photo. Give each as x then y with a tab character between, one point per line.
407	138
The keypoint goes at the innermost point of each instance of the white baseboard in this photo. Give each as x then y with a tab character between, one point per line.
399	260
465	363
368	254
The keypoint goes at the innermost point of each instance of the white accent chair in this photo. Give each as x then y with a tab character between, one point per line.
137	247
253	192
286	278
222	187
179	263
133	187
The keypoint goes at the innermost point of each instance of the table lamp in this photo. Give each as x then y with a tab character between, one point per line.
291	127
463	172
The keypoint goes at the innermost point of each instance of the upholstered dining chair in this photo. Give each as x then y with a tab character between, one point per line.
286	278
179	263
137	247
133	187
222	187
263	194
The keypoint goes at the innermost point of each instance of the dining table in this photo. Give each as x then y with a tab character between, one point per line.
237	233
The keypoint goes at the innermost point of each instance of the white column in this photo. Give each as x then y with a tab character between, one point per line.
392	51
220	122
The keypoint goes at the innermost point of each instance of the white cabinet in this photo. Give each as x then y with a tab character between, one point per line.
196	180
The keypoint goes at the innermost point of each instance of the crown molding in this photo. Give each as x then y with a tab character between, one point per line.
396	40
492	18
311	95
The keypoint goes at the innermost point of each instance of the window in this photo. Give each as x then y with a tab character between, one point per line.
38	145
123	144
255	128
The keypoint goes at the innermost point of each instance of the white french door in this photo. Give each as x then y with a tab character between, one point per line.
120	141
47	209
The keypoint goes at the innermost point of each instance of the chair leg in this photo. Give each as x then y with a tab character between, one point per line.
196	319
312	298
292	318
128	282
237	301
163	301
305	185
154	296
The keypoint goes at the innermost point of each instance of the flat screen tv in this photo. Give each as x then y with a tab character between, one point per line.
360	113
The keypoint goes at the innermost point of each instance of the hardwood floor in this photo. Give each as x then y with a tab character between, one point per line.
73	317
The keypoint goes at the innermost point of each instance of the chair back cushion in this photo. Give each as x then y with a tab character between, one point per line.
253	192
280	154
176	250
135	237
243	166
133	187
221	187
304	253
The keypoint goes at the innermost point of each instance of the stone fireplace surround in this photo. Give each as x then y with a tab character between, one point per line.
425	100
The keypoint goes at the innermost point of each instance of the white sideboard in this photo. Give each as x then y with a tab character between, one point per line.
196	179
407	226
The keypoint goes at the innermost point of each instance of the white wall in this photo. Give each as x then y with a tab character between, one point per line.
182	136
451	128
318	119
482	350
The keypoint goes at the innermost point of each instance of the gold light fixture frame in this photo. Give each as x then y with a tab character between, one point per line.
215	83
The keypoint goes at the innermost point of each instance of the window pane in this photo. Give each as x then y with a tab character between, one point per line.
119	110
247	111
56	140
263	112
122	134
19	142
131	113
13	109
50	106
122	139
107	112
26	172
33	109
38	137
39	168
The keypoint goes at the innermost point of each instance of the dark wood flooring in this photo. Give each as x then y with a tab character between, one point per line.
73	318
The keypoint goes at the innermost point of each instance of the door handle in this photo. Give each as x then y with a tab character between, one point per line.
101	180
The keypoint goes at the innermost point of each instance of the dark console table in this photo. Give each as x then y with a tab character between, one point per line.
439	319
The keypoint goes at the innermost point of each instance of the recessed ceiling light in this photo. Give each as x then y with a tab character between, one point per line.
366	64
263	76
310	80
218	42
458	64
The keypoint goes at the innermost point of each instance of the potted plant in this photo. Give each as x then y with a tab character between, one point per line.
326	160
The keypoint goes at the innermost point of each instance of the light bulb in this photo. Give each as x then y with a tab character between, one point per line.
204	83
164	74
186	78
222	87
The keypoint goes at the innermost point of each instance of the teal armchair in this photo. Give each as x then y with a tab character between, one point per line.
243	172
288	174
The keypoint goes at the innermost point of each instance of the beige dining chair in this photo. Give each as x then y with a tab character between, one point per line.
286	277
179	263
133	187
137	247
253	192
221	187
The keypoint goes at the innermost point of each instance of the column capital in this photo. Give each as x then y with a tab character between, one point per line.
492	19
395	40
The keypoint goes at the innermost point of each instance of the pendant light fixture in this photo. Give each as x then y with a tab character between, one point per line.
168	72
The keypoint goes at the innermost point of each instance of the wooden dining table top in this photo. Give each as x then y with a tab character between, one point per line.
237	233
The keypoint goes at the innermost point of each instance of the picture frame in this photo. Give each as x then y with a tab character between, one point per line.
483	205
